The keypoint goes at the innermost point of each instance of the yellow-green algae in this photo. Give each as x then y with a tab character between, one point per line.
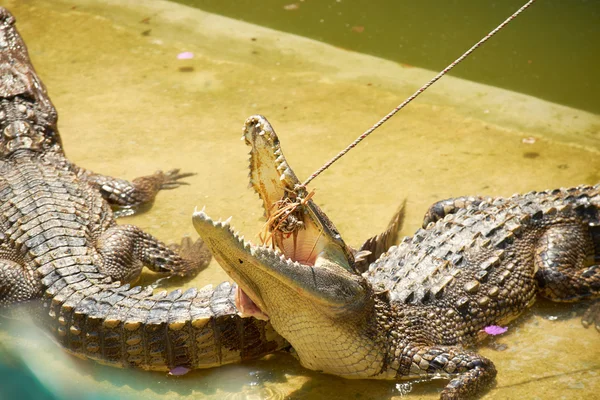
128	106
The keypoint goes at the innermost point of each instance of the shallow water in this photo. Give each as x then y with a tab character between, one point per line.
127	107
555	41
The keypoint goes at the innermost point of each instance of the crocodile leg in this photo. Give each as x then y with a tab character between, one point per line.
561	256
121	193
592	316
564	273
475	374
125	249
470	372
17	284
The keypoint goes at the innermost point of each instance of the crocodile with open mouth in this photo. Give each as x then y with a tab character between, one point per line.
479	262
61	249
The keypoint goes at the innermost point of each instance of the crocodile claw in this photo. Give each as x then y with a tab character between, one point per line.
172	179
591	317
196	254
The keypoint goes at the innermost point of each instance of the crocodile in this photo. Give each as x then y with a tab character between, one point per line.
417	310
62	253
59	243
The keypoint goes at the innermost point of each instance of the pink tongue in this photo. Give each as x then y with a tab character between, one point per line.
247	307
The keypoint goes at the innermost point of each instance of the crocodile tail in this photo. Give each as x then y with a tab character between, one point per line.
131	327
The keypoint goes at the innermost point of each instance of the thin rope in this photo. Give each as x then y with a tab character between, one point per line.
418	92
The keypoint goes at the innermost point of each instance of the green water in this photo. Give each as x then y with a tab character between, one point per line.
128	106
551	51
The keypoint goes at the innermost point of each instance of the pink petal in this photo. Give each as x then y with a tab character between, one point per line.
494	330
186	55
528	140
178	371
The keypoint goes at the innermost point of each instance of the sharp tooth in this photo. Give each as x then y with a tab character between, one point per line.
227	221
277	152
280	159
203	213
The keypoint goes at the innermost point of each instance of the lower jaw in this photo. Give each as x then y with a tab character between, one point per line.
246	307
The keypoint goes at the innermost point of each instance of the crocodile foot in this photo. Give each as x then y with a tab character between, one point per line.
172	178
591	317
196	254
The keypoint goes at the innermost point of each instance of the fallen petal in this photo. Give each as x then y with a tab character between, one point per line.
494	330
186	55
528	140
178	371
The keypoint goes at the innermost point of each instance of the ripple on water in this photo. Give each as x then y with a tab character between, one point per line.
258	392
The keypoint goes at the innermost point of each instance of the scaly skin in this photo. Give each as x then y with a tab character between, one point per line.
479	262
59	242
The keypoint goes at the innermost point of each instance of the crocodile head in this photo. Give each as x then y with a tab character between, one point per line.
27	117
303	279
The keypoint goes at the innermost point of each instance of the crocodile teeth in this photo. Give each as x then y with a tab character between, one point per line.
201	211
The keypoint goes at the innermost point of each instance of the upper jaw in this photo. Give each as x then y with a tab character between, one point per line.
295	224
270	175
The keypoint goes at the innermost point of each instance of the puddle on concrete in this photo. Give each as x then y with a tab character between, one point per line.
128	106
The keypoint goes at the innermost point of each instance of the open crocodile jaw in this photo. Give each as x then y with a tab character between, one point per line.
299	236
271	178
